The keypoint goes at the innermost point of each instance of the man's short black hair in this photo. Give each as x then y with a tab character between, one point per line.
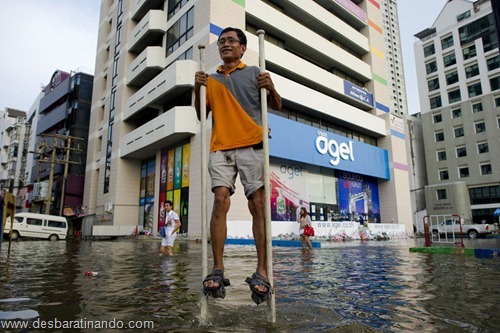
168	202
241	35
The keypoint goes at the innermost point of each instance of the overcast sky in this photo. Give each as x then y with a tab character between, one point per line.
40	36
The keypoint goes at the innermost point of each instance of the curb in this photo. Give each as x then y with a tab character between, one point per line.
276	242
479	253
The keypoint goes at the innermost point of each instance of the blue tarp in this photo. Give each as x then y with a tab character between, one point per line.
496	212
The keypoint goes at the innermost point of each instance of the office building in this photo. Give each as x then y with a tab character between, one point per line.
337	146
14	135
59	142
458	71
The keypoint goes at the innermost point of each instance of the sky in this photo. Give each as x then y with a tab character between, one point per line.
47	35
39	37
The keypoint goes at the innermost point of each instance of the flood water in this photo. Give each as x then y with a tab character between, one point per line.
373	286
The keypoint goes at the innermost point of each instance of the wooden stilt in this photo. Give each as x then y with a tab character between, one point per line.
271	302
204	225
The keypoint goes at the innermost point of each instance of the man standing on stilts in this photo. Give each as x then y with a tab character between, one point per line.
236	148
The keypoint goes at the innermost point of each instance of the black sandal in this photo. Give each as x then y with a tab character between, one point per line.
259	280
216	276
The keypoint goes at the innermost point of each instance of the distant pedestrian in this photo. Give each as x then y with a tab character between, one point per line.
305	221
172	223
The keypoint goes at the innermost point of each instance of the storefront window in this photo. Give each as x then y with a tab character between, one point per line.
174	183
328	195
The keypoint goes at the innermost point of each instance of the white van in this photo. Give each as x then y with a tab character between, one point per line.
38	226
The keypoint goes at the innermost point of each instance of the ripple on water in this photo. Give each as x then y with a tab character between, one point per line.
347	287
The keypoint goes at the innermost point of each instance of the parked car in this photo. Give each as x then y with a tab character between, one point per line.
37	226
452	226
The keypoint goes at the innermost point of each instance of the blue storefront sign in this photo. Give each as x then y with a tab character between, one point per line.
299	142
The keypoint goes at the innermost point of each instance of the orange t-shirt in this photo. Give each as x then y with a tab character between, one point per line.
234	100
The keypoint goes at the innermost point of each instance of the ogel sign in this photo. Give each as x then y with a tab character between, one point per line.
337	151
299	142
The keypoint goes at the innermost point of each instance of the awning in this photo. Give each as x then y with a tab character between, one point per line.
496	212
73	211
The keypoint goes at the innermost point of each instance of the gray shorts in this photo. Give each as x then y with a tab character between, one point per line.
224	166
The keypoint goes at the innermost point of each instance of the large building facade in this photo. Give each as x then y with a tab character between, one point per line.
60	122
335	147
458	71
14	138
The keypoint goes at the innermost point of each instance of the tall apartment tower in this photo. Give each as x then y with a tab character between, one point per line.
335	147
458	71
394	57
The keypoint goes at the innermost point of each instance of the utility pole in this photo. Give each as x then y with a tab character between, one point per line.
48	198
53	160
65	177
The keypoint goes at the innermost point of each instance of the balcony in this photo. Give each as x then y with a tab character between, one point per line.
284	63
149	31
141	7
146	66
311	45
175	125
171	82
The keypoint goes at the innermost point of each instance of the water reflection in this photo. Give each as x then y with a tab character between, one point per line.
348	287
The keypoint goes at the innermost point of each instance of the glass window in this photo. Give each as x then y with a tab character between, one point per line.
495	83
431	67
188	55
497	101
452	77
37	222
433	84
447	42
484	195
482	148
490	42
429	50
438	118
180	32
435	102
174	6
457	113
463	16
441	155
475	89
471	71
441	194
439	136
493	63
449	60
56	224
454	96
459	132
476	29
463	172
480	127
486	169
478	107
443	175
469	52
461	152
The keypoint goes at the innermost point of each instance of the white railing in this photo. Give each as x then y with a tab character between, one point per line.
113	230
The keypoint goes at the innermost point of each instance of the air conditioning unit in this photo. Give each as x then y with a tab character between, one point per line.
37	187
44	189
108	207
